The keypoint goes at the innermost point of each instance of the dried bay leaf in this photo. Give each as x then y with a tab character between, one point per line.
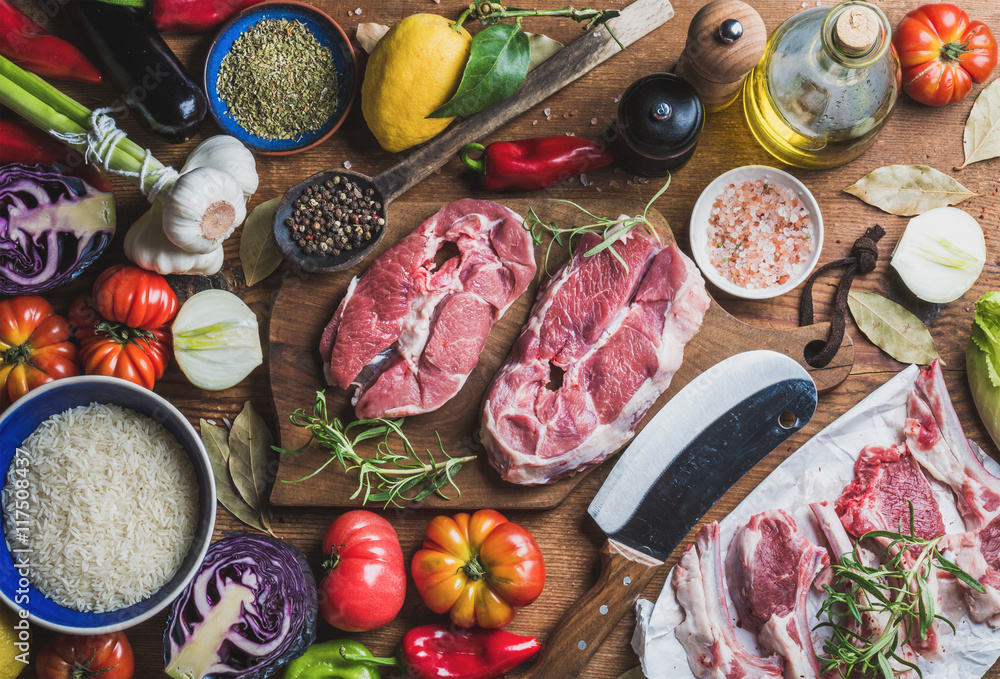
368	35
892	328
908	190
982	129
634	673
541	48
259	253
216	440
252	463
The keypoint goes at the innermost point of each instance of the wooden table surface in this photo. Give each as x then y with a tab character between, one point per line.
568	538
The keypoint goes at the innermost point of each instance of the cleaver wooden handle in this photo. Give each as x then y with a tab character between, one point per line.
588	622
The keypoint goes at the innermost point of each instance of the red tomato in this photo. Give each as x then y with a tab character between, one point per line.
33	347
942	53
365	581
105	656
136	297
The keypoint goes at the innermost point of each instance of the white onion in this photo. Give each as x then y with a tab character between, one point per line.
940	254
216	340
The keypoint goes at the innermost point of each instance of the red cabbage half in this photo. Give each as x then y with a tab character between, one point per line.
52	227
249	611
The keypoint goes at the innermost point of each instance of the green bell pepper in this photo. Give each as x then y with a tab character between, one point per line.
324	661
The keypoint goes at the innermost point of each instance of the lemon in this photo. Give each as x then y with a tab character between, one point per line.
10	666
414	69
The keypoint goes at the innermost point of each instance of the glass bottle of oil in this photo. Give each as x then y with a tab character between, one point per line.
825	85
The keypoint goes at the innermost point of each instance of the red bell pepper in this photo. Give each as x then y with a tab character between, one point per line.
21	143
28	45
444	652
192	16
533	164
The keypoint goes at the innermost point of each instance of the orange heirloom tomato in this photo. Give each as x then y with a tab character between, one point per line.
33	347
942	53
138	298
480	568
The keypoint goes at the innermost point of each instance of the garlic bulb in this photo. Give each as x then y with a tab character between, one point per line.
228	154
202	209
147	246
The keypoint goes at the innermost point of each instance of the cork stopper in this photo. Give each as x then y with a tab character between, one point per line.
856	31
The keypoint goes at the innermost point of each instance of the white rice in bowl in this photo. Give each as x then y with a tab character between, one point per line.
112	507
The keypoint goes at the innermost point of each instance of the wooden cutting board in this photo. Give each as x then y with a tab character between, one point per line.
306	302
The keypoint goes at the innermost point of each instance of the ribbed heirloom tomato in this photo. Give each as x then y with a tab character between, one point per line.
102	656
365	581
942	53
138	298
478	568
33	347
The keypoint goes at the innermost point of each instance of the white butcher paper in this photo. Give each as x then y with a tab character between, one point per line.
818	471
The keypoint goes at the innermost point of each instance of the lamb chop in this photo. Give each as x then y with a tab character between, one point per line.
707	634
977	552
886	482
873	623
770	567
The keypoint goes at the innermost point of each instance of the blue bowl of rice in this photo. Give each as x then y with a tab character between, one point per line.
124	517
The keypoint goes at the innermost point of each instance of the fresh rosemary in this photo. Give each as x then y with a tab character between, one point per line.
610	230
388	477
897	592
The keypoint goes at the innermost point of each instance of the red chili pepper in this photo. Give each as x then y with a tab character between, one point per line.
28	45
21	143
192	16
532	164
445	652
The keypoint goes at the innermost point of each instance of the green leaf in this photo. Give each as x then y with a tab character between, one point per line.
498	63
252	463
892	328
908	189
216	440
259	253
982	130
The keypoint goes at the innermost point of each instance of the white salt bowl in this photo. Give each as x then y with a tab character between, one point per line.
699	229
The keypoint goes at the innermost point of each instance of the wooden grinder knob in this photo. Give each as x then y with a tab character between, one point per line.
725	40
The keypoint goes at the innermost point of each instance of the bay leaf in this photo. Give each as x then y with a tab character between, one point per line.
498	63
634	673
908	189
216	440
259	253
252	462
541	47
892	328
368	35
982	129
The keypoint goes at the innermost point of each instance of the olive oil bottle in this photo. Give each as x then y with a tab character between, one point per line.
825	85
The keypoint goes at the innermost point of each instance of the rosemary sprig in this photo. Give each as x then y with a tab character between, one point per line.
610	230
898	592
388	477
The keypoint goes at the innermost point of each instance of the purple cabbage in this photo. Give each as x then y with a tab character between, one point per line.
251	607
52	227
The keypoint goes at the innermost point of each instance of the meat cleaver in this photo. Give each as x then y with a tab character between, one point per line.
711	433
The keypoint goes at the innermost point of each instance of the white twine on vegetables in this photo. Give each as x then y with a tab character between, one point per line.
100	143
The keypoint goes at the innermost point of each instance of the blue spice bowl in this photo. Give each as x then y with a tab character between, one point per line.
18	422
326	31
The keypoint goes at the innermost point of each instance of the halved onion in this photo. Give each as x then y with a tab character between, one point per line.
216	341
940	254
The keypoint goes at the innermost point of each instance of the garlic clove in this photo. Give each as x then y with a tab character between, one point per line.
203	208
228	154
147	246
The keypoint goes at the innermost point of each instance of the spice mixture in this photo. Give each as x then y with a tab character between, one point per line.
278	81
335	216
759	234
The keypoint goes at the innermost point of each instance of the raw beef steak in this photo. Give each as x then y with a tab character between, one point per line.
770	567
707	634
602	344
407	334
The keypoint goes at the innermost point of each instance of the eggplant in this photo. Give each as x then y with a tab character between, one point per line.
142	68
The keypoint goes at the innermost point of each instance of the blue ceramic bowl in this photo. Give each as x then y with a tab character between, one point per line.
327	32
21	419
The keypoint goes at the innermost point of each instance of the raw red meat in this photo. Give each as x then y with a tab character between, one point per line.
707	634
934	437
885	481
602	344
770	567
407	334
978	554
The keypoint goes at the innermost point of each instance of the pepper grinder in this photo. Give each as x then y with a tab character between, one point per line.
725	41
